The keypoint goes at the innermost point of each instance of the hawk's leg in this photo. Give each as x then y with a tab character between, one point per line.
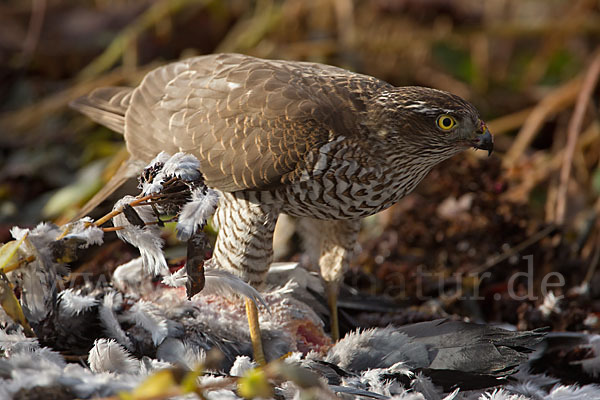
244	247
244	244
336	244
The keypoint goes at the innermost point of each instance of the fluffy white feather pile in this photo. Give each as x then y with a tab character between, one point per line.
134	328
174	327
146	238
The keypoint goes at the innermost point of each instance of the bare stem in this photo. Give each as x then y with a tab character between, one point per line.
113	229
18	264
114	213
583	99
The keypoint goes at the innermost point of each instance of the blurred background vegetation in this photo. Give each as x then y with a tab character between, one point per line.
530	66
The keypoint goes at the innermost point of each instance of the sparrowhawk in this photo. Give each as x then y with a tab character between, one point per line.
304	139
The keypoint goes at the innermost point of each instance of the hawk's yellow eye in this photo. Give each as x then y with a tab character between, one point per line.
446	122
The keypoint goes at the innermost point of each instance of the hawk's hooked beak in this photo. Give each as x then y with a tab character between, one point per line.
485	140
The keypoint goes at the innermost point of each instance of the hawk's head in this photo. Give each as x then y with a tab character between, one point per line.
433	122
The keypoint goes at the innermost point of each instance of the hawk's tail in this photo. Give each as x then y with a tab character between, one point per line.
128	169
106	106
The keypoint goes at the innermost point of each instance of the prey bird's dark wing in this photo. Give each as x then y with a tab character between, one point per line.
251	122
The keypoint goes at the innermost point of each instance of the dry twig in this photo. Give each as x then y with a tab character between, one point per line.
542	166
495	260
509	122
589	83
555	101
18	122
38	14
152	16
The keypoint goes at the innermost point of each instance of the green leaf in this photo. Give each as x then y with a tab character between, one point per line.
189	381
255	384
302	377
11	305
8	251
158	384
454	59
88	182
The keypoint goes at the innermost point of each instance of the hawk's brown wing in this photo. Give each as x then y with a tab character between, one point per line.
251	122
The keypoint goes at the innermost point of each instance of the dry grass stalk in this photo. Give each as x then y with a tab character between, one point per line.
557	100
583	99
